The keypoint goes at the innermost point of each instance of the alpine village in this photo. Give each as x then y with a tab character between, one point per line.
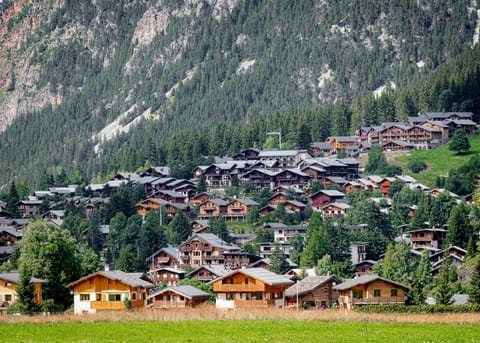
304	155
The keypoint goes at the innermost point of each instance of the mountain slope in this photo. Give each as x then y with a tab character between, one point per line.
74	67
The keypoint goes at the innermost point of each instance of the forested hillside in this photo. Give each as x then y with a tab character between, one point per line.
211	77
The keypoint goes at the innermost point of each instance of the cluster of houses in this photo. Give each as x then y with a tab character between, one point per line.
425	131
239	278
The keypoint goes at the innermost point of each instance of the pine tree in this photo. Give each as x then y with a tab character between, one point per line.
460	230
444	290
459	142
474	290
201	185
278	260
422	279
181	227
218	226
296	248
26	290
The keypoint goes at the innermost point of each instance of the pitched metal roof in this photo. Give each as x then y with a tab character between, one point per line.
307	285
131	279
216	241
279	153
11	231
266	276
14	277
187	291
364	279
216	269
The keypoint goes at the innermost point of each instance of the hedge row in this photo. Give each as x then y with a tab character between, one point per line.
397	308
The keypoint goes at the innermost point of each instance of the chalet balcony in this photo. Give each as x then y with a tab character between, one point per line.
107	305
254	303
167	304
250	288
377	300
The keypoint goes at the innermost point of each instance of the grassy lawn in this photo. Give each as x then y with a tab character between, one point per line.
439	161
238	331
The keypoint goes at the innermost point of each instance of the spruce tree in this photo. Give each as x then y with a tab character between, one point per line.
26	290
474	290
278	260
459	142
444	290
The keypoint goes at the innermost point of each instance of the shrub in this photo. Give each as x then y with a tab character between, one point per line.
417	166
398	308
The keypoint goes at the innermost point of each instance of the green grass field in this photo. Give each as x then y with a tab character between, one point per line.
238	331
439	161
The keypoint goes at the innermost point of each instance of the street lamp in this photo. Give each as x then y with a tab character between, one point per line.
279	133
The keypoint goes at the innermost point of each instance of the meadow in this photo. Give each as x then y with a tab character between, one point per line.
269	325
439	161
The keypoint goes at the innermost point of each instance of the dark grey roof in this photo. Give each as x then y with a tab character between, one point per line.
216	269
131	279
321	145
246	201
331	193
216	241
14	277
12	231
364	279
307	285
278	153
169	250
6	250
187	291
266	276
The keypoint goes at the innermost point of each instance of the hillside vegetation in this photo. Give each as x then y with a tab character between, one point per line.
178	76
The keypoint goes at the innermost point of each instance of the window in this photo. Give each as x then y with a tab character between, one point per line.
134	296
8	297
358	294
84	297
98	297
229	296
376	293
394	292
246	280
114	297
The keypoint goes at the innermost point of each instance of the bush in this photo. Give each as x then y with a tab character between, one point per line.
417	166
398	308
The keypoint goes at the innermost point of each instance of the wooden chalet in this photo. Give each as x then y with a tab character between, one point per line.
370	289
337	210
171	196
203	249
201	197
164	257
321	148
8	289
17	223
295	206
200	225
268	209
247	154
145	206
250	287
325	197
381	183
207	273
315	172
10	235
237	209
342	142
28	208
312	292
159	171
167	275
109	290
397	145
177	297
429	238
364	267
277	198
239	259
212	208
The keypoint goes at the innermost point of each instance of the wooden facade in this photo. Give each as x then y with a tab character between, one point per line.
250	287
313	292
370	289
8	289
177	297
204	248
112	290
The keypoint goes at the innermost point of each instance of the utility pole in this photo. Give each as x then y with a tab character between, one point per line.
279	134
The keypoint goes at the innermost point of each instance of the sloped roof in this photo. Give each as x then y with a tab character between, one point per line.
216	241
216	269
307	285
187	291
12	231
14	277
330	192
173	252
364	279
278	153
266	276
131	279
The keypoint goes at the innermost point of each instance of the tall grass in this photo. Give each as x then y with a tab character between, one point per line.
209	313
